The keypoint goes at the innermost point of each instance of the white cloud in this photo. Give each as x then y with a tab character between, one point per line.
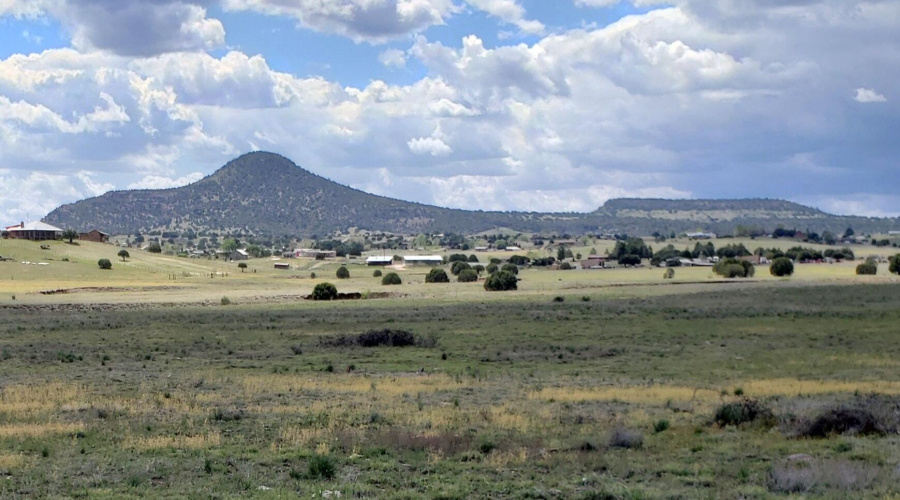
868	96
392	58
433	146
129	27
161	182
509	11
373	21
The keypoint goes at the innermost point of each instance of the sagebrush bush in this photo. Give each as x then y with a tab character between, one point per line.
321	467
343	273
744	411
626	438
869	267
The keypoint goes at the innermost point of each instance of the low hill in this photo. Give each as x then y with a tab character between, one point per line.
267	194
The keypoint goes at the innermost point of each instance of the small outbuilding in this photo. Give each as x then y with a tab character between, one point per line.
284	266
379	261
239	254
423	260
94	235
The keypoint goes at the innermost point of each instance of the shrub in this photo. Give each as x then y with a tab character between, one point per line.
559	298
312	276
459	267
661	426
104	264
321	467
457	257
225	301
391	279
629	260
473	259
845	420
324	291
744	411
565	266
492	268
343	273
519	260
377	273
894	266
379	338
468	276
510	268
869	267
437	276
154	248
782	266
669	274
478	269
733	268
501	281
625	438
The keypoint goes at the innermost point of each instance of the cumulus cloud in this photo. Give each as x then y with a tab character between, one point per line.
361	20
509	11
131	27
161	182
392	58
434	146
866	96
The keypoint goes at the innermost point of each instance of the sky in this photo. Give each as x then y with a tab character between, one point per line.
535	105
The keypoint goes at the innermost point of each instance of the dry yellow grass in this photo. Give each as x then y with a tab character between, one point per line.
182	442
11	461
28	430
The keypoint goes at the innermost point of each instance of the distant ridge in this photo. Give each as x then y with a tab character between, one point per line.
267	194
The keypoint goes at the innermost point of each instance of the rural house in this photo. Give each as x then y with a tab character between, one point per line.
311	253
35	231
379	261
423	260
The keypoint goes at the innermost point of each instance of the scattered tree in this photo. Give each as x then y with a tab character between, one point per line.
782	266
324	291
377	273
70	234
154	248
501	281
510	268
124	254
343	273
473	259
492	268
104	264
458	267
519	260
565	266
630	260
437	276
229	245
733	268
391	279
242	266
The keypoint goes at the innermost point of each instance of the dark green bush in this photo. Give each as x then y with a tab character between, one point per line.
744	411
321	467
343	273
894	266
377	273
734	268
104	264
324	291
782	266
391	279
492	268
459	267
437	276
501	281
468	276
869	267
510	268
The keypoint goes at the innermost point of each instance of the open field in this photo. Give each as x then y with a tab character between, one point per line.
137	383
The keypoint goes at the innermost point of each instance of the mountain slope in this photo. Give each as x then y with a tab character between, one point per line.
264	193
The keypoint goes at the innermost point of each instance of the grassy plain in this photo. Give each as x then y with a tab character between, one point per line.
138	383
